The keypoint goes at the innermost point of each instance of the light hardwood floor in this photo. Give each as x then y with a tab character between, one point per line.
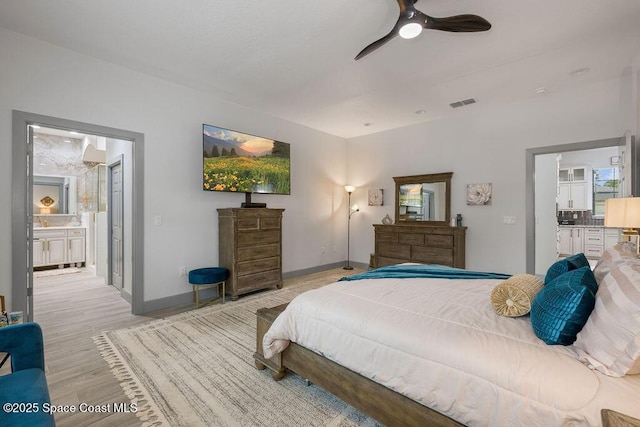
72	309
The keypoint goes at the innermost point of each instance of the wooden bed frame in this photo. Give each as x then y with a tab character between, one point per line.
375	400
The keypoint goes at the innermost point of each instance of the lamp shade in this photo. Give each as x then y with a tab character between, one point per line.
349	188
622	213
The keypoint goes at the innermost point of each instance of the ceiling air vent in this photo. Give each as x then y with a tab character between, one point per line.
463	103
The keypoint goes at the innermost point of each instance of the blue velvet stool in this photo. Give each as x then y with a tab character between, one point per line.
202	278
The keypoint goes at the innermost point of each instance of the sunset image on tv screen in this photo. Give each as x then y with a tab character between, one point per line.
239	162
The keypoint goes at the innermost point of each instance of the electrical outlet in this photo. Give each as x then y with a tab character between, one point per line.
157	220
183	271
324	249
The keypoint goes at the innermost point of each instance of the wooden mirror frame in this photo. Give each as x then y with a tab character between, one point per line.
420	179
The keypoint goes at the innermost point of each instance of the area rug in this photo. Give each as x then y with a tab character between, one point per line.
197	369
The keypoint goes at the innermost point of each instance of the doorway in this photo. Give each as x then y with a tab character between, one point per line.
22	205
540	229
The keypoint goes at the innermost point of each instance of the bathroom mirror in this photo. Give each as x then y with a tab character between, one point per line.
54	195
423	198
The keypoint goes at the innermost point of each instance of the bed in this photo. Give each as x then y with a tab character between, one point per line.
417	350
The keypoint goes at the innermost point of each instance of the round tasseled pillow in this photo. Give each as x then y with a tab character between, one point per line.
513	297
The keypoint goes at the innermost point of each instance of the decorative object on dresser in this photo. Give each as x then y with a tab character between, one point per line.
398	243
624	213
352	209
250	247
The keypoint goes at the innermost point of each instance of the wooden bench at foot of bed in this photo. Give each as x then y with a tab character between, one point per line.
375	400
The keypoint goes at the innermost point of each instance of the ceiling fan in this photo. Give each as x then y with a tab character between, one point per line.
411	23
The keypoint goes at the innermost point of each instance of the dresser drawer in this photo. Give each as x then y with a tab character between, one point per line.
430	255
383	236
259	280
270	223
411	238
249	223
439	240
394	250
254	252
258	265
251	238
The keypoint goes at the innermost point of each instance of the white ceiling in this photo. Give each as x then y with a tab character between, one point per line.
294	59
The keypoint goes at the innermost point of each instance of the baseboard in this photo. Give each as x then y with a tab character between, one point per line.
320	268
126	296
186	298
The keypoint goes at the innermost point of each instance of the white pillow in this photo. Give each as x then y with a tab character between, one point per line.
610	340
622	252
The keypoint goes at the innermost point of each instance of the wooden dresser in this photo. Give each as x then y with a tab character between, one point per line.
250	246
395	244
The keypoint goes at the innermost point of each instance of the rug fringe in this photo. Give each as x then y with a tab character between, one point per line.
146	411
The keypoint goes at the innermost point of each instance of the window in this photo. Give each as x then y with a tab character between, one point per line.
606	184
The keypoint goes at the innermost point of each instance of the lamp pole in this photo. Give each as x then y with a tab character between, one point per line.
350	189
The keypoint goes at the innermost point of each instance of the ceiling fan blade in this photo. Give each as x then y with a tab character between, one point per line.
457	23
378	43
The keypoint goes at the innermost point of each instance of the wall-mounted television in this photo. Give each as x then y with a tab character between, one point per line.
243	163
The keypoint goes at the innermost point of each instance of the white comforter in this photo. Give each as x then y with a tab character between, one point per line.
439	342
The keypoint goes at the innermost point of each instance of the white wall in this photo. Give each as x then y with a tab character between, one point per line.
482	147
478	147
40	78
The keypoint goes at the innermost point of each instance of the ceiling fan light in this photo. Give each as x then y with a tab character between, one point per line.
410	30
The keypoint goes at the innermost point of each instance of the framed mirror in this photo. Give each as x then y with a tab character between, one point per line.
423	198
54	195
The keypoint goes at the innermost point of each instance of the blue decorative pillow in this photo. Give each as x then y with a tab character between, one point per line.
566	264
562	307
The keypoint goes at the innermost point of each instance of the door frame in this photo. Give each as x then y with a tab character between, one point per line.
530	213
22	208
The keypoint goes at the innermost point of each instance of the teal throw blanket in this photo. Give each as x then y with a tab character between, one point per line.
424	270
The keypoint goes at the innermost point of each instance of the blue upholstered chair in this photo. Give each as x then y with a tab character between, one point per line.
26	383
202	278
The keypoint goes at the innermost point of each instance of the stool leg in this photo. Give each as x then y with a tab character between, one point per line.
197	297
224	292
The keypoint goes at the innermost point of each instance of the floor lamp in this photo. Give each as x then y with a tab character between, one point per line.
352	209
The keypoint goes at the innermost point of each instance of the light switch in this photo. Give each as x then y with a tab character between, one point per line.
157	220
509	220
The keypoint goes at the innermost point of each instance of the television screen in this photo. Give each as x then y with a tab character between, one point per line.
239	162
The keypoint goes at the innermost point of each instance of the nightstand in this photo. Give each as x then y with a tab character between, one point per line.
612	418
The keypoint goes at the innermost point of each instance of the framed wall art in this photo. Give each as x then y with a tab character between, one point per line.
376	197
479	194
